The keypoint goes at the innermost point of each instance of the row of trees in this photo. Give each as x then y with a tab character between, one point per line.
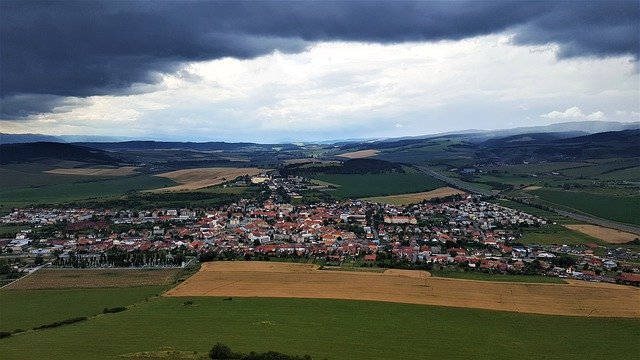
120	258
222	352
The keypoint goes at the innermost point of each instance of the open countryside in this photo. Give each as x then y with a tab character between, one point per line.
193	179
319	180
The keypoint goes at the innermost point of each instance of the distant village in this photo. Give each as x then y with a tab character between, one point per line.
464	233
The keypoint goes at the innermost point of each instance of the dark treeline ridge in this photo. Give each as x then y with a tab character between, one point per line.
170	145
24	153
355	166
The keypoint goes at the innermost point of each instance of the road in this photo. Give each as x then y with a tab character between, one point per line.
454	182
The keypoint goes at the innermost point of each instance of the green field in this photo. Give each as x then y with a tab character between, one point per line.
624	209
556	234
610	170
24	309
537	168
331	329
77	189
355	186
477	275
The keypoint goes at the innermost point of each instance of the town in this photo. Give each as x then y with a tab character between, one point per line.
461	233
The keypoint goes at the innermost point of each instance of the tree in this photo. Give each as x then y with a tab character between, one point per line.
220	351
38	260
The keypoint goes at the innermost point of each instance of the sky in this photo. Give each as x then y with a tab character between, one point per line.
273	71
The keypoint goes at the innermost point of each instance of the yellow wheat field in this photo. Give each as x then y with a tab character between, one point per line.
285	280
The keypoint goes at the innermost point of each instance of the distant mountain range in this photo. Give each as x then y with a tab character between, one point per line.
570	129
46	151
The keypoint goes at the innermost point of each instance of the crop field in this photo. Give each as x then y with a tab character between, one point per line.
406	199
94	278
629	174
77	188
475	275
605	234
360	154
192	179
265	279
538	168
24	309
322	328
328	329
603	169
358	186
557	234
624	209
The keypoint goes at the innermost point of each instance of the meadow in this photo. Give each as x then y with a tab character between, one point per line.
329	329
356	186
625	209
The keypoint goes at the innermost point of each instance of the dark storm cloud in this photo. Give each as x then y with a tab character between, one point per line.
93	48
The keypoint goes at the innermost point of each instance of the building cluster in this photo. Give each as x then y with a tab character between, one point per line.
469	233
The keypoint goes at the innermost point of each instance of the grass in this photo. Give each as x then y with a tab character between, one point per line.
556	234
28	308
355	186
476	275
331	329
618	208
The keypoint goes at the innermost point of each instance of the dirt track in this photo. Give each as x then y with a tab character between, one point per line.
264	279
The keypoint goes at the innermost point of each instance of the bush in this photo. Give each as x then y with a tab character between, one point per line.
220	351
114	310
60	323
4	334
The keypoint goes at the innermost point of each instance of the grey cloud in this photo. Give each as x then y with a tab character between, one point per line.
85	48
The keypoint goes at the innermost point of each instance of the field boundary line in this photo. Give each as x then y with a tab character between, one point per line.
20	278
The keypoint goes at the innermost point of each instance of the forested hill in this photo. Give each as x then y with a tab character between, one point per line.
355	166
43	151
195	146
